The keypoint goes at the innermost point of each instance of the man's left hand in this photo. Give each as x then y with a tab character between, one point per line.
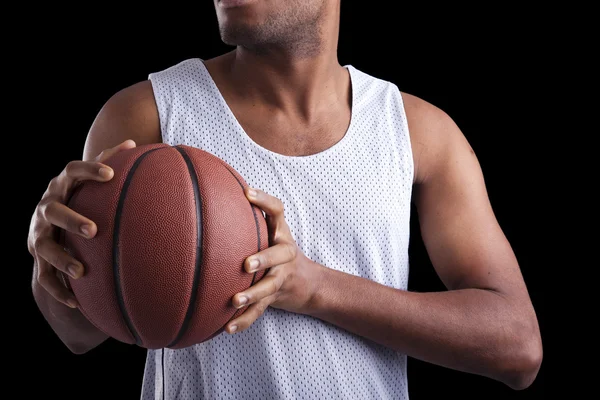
292	280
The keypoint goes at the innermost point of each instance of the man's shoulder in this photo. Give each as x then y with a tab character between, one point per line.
130	113
424	116
432	132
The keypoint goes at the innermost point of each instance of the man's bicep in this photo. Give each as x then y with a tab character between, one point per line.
464	241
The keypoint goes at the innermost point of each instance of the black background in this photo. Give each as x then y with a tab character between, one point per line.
476	64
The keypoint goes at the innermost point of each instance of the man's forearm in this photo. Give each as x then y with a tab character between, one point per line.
471	330
69	324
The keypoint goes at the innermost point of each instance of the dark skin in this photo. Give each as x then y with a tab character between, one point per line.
290	94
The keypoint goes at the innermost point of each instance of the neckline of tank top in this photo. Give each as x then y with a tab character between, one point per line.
340	144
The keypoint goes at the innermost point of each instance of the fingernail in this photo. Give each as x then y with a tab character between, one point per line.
253	265
85	229
106	173
243	300
72	303
252	193
232	329
73	270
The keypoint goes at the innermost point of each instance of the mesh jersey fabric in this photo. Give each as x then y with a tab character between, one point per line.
348	208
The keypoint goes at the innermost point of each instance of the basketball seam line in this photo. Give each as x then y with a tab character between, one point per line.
199	227
116	236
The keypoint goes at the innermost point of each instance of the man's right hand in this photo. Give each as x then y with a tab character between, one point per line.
51	214
128	119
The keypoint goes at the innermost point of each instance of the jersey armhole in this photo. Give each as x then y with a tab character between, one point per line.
163	99
407	137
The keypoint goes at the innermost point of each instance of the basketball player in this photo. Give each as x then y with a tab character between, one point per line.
336	157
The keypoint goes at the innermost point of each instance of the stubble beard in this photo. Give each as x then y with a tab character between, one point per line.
295	33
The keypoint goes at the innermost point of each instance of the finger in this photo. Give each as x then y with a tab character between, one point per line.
49	281
63	217
272	206
278	254
274	210
57	257
266	287
77	171
108	153
249	316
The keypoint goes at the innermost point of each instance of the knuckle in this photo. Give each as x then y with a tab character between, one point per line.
260	308
43	278
50	211
31	247
57	186
53	185
44	210
281	233
292	251
32	236
273	286
276	236
70	168
38	214
37	245
279	208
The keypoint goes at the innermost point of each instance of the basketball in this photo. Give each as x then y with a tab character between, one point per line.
174	229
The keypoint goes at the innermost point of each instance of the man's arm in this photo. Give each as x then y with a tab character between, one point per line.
129	114
485	323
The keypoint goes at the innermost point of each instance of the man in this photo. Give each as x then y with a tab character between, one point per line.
335	157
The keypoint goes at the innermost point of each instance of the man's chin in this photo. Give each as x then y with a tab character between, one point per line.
238	36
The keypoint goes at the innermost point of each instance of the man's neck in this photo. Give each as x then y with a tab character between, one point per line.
287	82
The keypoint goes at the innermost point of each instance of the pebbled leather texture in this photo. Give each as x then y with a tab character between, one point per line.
157	248
229	236
95	291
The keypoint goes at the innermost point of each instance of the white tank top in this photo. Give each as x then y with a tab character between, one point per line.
348	208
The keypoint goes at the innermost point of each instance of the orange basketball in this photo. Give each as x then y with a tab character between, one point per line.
174	229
